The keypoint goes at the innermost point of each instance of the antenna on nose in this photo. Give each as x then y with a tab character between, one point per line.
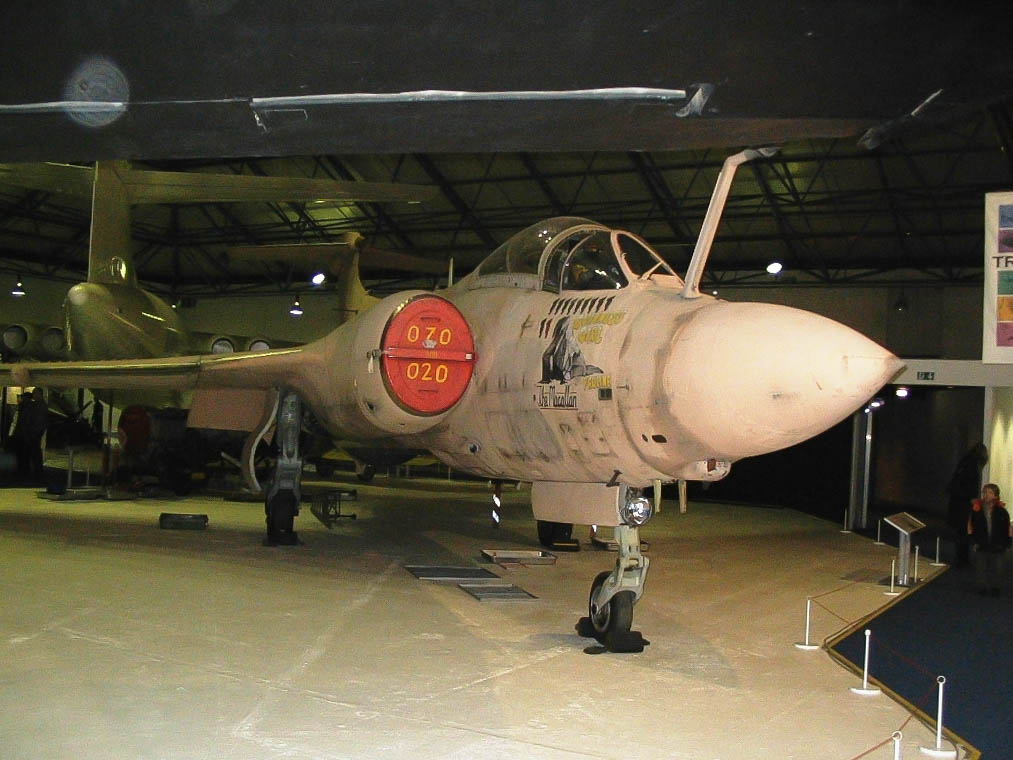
710	221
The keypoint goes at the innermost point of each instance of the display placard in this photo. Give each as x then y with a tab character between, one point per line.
905	522
997	306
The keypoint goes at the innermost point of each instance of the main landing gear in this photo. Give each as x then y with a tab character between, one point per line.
281	503
613	594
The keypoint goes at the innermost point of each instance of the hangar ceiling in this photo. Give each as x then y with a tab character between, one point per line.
832	211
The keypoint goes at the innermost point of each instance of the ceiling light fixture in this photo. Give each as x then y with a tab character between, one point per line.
319	278
901	392
295	310
18	290
774	268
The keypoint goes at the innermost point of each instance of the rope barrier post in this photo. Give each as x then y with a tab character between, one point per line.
879	532
805	645
914	577
865	690
938	750
897	736
846	529
937	563
893	576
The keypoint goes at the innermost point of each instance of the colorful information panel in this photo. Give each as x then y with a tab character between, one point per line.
997	322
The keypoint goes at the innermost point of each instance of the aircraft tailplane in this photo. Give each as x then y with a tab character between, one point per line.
110	254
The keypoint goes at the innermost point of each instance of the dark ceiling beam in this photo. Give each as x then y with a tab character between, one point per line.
786	230
1002	122
467	215
30	202
660	193
667	165
558	209
894	207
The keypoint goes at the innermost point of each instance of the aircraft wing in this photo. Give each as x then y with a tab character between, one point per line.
65	179
144	186
197	187
255	370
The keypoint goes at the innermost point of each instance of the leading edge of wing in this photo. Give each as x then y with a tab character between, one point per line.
251	369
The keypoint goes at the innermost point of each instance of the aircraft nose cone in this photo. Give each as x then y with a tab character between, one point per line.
750	378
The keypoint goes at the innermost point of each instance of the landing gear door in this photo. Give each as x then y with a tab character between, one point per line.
581	503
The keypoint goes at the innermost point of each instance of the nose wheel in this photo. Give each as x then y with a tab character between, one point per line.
613	594
614	617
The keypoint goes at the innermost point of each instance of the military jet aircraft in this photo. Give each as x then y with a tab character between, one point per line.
575	358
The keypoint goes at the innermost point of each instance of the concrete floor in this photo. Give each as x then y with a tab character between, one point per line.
121	640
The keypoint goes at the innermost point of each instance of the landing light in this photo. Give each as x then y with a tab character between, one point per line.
901	392
18	290
636	511
295	310
876	403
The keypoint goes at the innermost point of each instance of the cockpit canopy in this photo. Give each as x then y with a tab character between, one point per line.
571	253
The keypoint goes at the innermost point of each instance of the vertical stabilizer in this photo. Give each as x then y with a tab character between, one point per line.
344	265
110	253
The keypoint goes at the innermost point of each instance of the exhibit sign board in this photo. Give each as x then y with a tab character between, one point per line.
997	316
905	523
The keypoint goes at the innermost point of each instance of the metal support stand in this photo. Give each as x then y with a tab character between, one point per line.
805	645
937	563
865	690
328	509
879	533
938	750
70	467
861	452
893	577
906	525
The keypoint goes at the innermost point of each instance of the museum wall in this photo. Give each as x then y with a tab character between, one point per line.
935	321
1000	442
917	443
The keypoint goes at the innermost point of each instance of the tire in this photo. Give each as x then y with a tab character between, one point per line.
550	532
616	617
281	514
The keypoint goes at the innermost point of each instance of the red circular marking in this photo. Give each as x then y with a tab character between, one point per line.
428	355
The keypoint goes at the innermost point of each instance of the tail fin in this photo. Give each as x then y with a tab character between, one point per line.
339	259
344	266
110	254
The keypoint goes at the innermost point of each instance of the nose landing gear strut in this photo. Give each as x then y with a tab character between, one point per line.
613	594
